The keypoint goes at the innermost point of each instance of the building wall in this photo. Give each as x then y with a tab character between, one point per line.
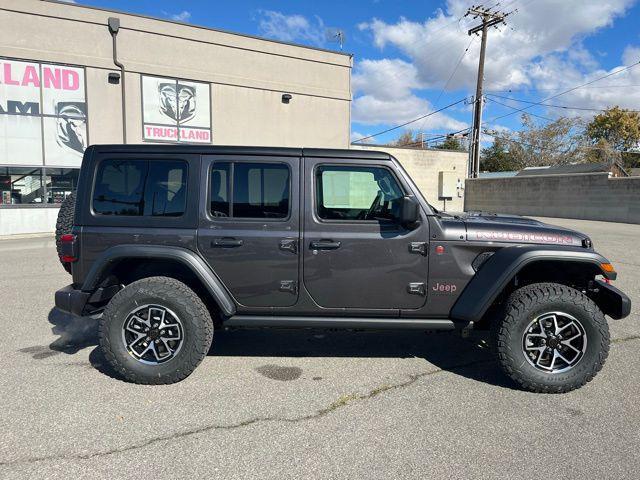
424	167
239	81
17	221
248	75
592	196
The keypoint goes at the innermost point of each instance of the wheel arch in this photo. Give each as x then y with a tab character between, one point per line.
132	262
535	263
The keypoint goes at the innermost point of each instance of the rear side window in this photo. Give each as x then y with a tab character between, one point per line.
250	190
153	188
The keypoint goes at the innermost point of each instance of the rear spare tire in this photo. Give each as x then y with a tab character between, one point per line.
64	224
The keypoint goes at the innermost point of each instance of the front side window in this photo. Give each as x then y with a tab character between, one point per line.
141	188
249	190
357	193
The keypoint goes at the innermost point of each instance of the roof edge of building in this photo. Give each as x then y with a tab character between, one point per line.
201	27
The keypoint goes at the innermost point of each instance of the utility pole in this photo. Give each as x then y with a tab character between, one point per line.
489	18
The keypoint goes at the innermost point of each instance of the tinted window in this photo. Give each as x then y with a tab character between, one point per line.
357	193
220	173
141	187
260	190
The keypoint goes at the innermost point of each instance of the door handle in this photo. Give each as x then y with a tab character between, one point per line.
226	242
324	245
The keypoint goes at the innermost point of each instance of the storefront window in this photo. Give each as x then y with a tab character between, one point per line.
36	186
20	185
61	182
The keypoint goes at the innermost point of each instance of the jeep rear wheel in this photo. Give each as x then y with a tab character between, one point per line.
155	331
552	338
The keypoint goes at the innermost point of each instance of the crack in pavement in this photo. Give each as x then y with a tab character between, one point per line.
336	405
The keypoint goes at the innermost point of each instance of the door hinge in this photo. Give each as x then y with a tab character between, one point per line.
289	244
417	288
290	286
418	247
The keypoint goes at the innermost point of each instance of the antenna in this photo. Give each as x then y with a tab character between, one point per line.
335	35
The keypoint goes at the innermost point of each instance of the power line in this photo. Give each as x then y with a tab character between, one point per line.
525	90
410	121
455	69
620	70
566	107
519	142
515	108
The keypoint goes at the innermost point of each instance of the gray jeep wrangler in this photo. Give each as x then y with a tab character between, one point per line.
167	242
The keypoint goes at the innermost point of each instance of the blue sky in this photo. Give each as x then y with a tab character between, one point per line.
413	57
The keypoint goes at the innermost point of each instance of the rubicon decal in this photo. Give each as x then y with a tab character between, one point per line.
528	237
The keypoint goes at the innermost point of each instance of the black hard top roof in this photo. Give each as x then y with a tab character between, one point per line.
242	150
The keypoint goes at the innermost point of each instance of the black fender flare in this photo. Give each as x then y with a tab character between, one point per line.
188	258
503	265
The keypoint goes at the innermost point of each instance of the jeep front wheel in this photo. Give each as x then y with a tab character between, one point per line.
155	331
552	338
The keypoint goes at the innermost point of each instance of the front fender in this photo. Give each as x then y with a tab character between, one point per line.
503	265
186	257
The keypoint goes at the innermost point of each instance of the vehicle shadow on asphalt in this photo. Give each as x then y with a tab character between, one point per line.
468	357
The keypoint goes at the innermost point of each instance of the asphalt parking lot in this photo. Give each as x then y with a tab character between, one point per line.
299	404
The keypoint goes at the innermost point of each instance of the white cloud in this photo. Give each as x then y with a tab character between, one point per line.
372	110
539	28
355	136
183	16
541	48
291	28
384	95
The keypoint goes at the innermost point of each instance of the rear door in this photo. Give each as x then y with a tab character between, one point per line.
356	254
249	226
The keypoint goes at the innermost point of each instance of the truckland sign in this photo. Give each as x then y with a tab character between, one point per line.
175	110
43	114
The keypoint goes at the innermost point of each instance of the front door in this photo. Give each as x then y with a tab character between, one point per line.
356	254
249	230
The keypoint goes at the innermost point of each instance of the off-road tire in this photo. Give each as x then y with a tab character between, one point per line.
531	301
171	294
64	224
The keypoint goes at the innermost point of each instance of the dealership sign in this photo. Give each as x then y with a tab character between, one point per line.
43	114
175	110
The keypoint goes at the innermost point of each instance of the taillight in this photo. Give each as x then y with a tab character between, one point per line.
68	250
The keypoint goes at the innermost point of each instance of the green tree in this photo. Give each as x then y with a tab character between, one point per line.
614	135
452	143
620	128
496	158
407	139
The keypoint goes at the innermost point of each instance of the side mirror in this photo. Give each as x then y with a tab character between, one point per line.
409	210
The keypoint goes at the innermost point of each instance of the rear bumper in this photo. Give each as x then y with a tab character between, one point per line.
612	301
71	300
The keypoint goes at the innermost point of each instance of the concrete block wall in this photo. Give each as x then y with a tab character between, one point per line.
583	196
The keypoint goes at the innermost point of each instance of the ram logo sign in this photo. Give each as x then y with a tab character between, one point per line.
176	110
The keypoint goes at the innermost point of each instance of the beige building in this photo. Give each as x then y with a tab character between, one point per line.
71	76
64	69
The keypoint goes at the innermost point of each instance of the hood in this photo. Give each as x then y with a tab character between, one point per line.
492	227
